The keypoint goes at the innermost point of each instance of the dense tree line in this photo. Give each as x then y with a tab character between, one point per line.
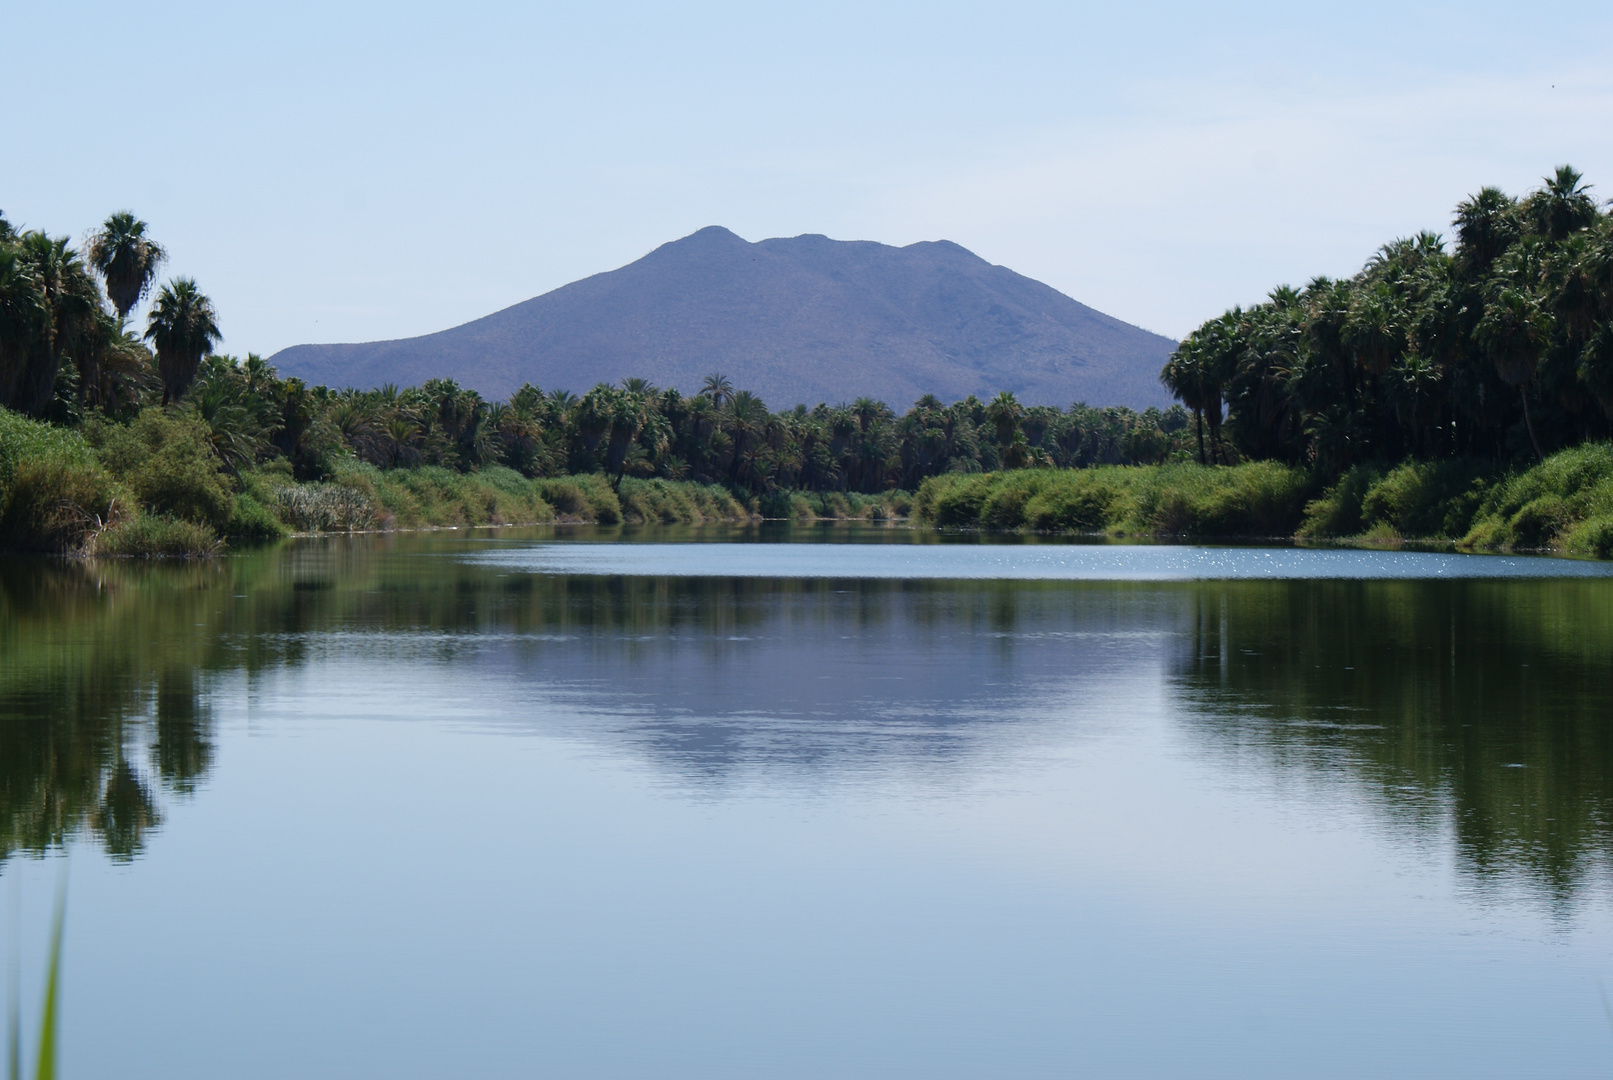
66	354
1500	347
717	435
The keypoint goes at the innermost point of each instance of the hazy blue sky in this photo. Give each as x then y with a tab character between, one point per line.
338	172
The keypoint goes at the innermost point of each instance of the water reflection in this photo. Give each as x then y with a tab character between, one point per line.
100	702
1476	709
1469	709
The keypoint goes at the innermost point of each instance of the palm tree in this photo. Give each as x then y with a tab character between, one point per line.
746	416
126	260
1004	411
24	320
66	304
182	328
259	373
1185	376
1563	206
113	366
1486	225
1514	331
718	389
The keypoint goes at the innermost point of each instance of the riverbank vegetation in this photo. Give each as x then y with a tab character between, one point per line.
1564	503
1462	394
1498	347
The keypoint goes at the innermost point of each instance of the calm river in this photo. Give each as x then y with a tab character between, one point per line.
833	802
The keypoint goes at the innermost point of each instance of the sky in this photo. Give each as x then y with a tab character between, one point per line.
351	171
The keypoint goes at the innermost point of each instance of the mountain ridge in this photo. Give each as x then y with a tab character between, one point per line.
794	319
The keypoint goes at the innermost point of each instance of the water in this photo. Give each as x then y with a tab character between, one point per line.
493	804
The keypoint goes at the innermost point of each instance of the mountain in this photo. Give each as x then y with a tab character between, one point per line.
803	319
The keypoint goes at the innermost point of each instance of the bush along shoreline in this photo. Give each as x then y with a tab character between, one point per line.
1564	505
156	487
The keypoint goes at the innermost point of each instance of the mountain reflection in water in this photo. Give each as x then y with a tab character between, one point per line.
1471	710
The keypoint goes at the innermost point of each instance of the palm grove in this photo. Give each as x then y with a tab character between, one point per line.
1500	349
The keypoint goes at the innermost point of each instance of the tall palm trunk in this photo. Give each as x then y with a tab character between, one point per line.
1523	395
1198	418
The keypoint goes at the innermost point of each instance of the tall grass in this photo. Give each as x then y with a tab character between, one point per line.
1421	500
1256	499
677	502
45	1067
1564	503
360	496
54	495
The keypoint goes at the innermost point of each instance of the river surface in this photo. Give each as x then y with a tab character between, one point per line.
821	802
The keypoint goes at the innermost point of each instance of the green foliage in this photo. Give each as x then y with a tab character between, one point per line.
167	461
181	328
1565	502
53	493
1411	384
324	508
156	536
671	503
1593	536
835	505
1082	504
253	522
1260	498
45	1067
361	496
1428	500
586	497
1493	351
1254	499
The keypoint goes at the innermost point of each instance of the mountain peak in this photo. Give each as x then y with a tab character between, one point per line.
712	234
794	319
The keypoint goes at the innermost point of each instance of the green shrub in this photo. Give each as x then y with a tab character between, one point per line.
676	502
1259	498
600	502
1551	504
157	536
1339	510
566	497
51	504
432	495
252	522
1593	537
54	495
1425	499
584	497
778	505
834	505
1004	506
1537	522
168	464
1081	504
953	500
